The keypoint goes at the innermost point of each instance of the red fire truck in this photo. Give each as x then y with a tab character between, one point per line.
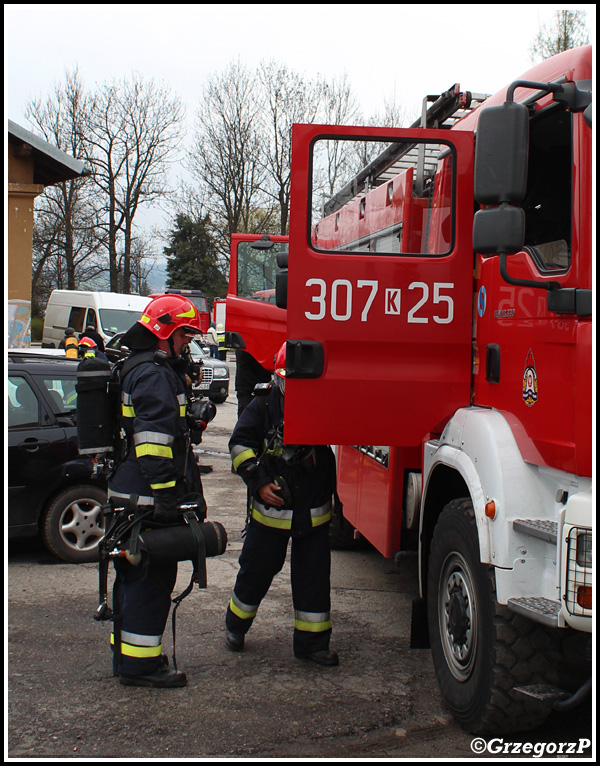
439	325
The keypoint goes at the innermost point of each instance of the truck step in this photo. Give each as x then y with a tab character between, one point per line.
540	528
537	608
544	693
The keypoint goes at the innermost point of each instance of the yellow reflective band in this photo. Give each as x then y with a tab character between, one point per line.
156	450
165	485
247	454
312	627
240	613
182	410
131	650
318	520
187	314
269	521
145	318
127	412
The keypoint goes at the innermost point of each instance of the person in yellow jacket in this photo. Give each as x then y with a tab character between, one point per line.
70	343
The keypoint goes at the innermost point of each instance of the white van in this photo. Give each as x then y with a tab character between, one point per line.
109	313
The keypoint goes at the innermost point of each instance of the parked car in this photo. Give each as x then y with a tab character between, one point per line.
215	373
51	488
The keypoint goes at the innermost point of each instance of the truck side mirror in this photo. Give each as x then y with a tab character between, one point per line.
501	154
499	230
281	279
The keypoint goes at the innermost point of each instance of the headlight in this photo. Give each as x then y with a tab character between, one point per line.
583	555
221	372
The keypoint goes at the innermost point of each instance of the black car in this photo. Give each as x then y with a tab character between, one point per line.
52	490
215	373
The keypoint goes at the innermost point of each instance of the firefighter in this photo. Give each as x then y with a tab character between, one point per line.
222	349
157	470
290	491
88	347
69	343
91	332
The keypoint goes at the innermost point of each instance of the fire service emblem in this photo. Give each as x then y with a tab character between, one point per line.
530	381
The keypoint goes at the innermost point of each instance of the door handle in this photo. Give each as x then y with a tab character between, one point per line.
31	445
304	359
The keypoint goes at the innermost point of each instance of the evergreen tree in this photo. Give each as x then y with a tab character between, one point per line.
192	257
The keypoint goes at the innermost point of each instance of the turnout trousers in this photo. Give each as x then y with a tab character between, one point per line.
262	557
143	600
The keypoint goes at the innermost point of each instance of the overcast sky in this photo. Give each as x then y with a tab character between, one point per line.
392	51
406	50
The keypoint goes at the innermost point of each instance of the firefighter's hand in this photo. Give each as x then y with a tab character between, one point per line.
270	494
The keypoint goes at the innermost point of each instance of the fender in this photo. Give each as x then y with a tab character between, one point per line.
478	444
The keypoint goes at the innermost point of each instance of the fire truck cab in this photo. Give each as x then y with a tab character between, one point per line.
455	258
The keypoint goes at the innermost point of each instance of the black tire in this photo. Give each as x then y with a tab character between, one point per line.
72	525
480	649
218	399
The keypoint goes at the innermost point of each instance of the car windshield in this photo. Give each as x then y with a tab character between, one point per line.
196	349
117	320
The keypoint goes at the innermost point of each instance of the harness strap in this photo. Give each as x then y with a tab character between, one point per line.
198	573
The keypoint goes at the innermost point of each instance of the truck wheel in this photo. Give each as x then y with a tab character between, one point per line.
72	526
480	649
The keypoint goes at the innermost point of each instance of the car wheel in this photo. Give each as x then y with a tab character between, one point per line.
480	649
218	399
73	524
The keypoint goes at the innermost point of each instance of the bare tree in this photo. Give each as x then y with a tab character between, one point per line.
66	217
132	132
567	30
226	158
288	99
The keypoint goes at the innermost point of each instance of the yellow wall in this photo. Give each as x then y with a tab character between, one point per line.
21	194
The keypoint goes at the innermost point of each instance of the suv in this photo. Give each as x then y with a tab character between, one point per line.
51	488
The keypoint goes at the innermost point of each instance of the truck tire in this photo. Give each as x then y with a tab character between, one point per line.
480	649
72	525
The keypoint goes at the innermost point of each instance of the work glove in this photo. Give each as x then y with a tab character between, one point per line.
166	506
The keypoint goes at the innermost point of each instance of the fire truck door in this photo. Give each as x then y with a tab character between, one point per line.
380	283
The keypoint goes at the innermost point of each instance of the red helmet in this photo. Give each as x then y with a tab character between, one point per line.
85	341
280	368
167	313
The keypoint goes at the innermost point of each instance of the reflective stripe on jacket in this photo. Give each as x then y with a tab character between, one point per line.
153	409
310	482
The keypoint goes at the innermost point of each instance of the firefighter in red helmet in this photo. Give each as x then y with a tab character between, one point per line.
156	470
290	496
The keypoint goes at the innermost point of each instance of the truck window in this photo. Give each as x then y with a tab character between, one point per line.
370	196
547	202
256	270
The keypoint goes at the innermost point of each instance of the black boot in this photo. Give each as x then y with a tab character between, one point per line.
234	641
163	678
321	657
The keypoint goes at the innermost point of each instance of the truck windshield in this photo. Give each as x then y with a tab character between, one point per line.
370	196
118	320
256	271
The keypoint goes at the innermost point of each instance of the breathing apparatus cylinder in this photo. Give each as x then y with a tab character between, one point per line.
95	408
180	543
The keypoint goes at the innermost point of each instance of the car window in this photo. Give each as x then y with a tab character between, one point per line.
196	348
23	404
62	393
